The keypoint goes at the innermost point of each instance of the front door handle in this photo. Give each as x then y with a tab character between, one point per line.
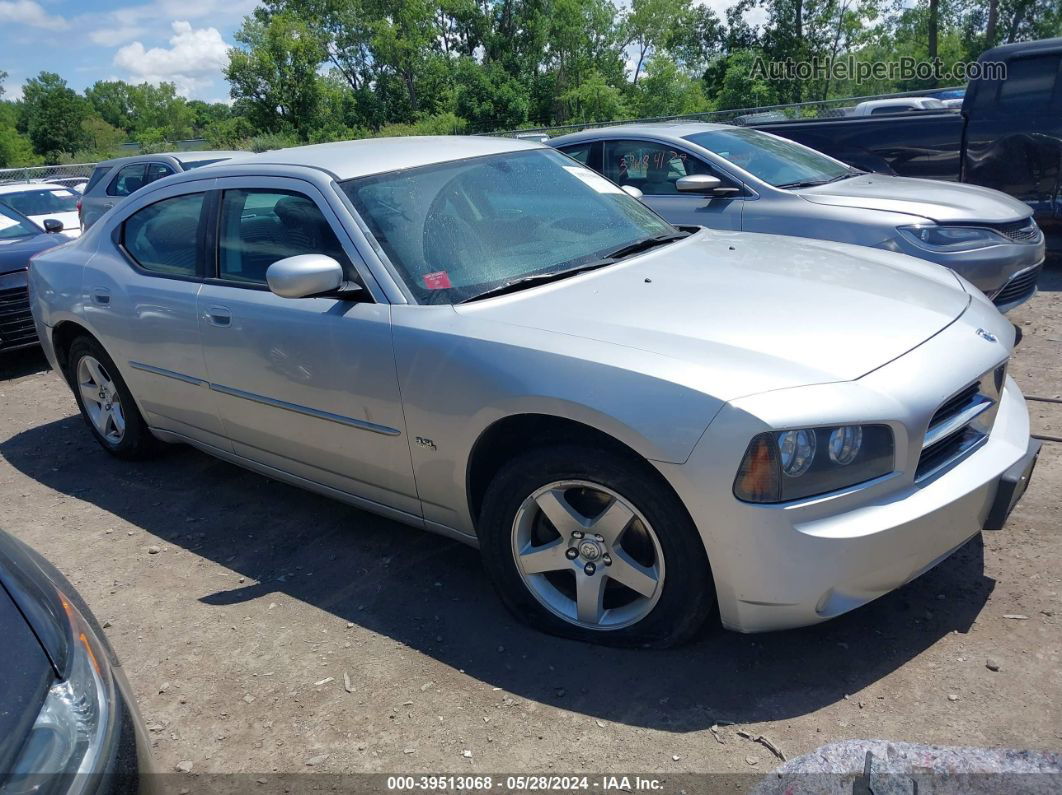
101	295
219	316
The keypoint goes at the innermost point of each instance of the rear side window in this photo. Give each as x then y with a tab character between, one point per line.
128	180
188	165
259	227
154	171
580	152
99	173
1030	83
162	237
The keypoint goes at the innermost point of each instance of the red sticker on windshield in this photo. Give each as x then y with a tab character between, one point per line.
440	280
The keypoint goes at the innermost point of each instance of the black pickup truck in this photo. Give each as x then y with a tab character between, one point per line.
1008	135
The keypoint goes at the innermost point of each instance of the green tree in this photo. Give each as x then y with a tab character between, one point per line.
652	25
668	91
102	138
112	102
488	97
741	88
275	71
54	113
595	100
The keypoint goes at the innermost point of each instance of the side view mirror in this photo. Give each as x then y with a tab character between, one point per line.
630	190
53	225
703	183
308	275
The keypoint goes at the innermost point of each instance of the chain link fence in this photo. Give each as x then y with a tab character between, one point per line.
819	109
46	173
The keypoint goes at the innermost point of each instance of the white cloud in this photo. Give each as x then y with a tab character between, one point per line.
30	13
110	37
194	59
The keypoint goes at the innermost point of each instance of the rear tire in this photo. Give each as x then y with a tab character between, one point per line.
637	575
106	404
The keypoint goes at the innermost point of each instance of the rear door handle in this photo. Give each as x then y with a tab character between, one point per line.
219	316
101	295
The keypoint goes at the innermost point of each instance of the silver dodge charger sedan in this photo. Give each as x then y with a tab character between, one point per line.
726	177
639	425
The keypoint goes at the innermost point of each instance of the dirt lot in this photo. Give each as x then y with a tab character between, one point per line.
242	608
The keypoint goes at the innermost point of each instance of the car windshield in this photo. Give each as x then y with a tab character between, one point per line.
776	161
12	225
459	229
41	201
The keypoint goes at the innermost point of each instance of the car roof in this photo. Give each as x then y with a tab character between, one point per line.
180	157
19	187
349	159
679	128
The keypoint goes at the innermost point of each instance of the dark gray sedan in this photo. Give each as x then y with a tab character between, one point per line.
68	722
20	239
725	177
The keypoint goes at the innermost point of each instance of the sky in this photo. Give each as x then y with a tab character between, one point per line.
180	41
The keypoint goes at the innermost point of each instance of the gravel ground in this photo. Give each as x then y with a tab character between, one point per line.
267	629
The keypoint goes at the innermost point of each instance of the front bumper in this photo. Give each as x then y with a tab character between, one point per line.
1002	271
799	563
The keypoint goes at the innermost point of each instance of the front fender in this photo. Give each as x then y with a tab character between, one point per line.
456	385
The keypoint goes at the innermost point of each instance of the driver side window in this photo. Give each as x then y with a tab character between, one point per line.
259	227
651	167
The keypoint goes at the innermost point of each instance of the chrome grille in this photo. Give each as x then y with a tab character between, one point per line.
16	322
1020	286
961	424
1020	231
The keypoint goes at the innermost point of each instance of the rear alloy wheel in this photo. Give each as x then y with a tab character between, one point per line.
105	402
99	396
591	544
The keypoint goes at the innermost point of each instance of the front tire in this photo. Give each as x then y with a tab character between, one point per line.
105	402
590	544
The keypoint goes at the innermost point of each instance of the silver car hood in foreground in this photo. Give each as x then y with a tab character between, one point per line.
942	202
747	313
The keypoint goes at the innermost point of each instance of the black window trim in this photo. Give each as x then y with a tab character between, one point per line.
118	236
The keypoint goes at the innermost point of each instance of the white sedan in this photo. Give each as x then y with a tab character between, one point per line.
44	202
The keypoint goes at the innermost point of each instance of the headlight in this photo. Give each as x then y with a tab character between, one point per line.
64	750
791	465
952	238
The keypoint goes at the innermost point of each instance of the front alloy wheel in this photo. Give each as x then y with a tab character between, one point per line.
591	543
587	555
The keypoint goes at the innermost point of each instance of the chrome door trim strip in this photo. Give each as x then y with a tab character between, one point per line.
149	368
362	425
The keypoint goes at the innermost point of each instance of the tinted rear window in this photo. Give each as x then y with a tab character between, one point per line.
97	175
1030	82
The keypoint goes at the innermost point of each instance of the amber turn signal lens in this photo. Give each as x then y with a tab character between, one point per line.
759	478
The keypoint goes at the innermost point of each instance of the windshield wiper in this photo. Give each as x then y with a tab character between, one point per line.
536	279
611	258
644	245
812	183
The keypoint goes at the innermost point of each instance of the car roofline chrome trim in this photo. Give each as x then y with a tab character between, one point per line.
340	419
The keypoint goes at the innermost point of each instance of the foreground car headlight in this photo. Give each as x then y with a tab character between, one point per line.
790	465
64	751
952	238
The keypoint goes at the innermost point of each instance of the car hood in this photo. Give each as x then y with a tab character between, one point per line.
15	252
753	312
943	202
